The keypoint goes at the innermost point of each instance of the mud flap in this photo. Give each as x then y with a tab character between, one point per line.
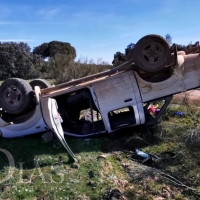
54	120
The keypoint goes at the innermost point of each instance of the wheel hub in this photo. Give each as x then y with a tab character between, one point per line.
12	96
152	53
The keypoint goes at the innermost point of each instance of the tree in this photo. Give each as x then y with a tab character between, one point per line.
129	47
50	49
168	38
39	68
15	60
119	58
41	50
63	68
181	47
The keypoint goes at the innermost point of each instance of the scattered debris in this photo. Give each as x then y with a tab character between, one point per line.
143	158
179	114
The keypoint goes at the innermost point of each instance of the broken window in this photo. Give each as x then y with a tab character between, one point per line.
121	117
154	107
80	114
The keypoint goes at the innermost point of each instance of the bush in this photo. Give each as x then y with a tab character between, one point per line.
63	68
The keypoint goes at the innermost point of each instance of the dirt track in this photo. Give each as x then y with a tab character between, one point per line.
192	97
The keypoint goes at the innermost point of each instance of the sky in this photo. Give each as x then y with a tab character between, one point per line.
97	29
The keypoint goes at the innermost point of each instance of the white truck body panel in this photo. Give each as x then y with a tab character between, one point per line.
10	131
186	76
118	92
53	121
34	124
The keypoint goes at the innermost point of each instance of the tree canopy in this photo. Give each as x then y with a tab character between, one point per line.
52	48
168	37
119	57
129	47
15	60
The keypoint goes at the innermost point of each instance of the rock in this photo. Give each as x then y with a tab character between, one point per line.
75	165
102	156
79	157
166	192
115	193
159	198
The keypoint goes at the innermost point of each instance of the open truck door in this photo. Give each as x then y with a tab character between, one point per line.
53	120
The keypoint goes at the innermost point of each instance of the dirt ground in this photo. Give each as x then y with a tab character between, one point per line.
191	97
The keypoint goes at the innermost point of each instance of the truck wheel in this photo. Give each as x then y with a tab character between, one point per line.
16	95
152	53
42	83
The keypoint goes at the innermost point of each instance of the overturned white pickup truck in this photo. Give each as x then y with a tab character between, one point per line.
103	102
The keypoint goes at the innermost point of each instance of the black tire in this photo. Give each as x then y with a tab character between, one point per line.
42	83
152	53
16	95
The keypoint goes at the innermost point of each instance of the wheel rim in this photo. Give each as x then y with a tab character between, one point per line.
12	96
153	52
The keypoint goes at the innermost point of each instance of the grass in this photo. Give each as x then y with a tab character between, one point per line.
45	171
